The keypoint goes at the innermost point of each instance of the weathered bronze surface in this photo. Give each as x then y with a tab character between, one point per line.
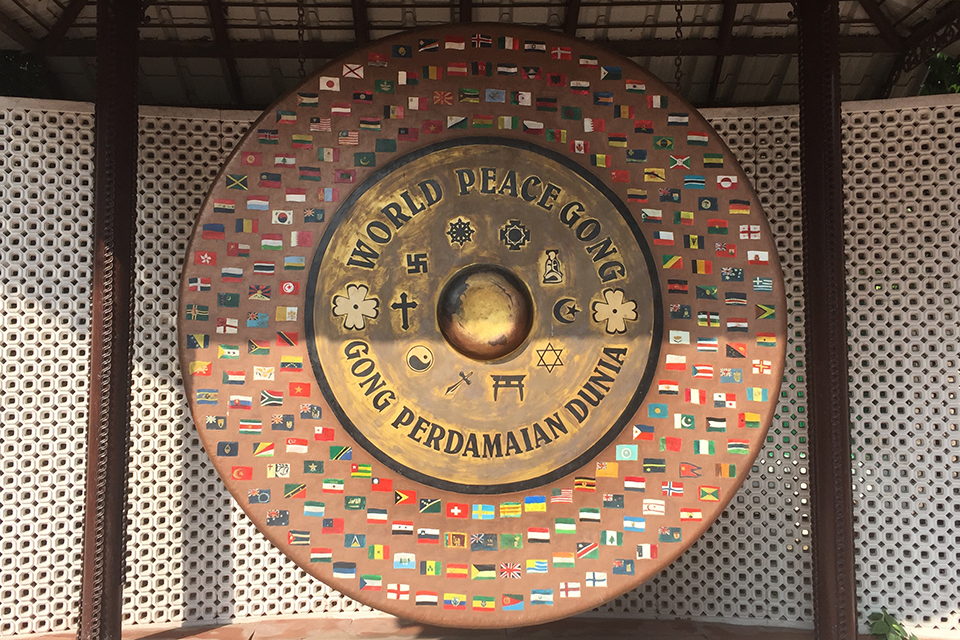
341	376
484	311
465	250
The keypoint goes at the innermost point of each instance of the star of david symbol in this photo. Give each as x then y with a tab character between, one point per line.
549	358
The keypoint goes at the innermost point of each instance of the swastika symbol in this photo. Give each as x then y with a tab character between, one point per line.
416	263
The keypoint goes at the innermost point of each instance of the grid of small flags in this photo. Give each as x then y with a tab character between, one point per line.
355	520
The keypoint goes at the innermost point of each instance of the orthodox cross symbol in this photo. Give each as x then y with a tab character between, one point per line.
404	307
508	382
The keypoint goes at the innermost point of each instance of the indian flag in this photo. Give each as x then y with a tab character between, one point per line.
563	560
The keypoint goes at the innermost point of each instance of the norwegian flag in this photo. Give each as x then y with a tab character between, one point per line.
672	488
510	570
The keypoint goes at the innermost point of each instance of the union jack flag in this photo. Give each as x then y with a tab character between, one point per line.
510	570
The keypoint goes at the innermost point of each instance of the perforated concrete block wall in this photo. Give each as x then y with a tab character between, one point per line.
194	556
46	212
903	304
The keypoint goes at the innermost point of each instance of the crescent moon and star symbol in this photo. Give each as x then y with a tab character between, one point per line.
566	310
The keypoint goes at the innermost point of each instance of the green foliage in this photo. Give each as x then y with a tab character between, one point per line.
943	75
22	75
885	626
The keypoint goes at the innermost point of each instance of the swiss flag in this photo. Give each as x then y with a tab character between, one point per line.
457	510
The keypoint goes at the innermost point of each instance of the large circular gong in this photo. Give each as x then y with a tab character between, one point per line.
482	325
486	305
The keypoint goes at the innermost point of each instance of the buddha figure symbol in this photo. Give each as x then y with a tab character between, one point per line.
552	273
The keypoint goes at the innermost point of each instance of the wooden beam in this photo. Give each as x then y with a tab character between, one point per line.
882	22
931	26
20	35
924	42
64	22
325	50
726	32
361	21
113	243
571	18
218	20
824	294
466	10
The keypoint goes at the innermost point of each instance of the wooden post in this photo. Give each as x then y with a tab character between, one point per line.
114	229
834	595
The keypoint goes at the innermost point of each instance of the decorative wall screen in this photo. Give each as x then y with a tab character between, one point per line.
195	558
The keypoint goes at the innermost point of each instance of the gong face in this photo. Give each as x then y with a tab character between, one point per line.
482	325
521	279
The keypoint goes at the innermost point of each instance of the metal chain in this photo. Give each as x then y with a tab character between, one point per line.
301	29
678	74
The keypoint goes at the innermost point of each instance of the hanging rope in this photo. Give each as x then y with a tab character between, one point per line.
678	74
301	29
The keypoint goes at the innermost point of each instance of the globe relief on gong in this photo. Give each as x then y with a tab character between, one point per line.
482	316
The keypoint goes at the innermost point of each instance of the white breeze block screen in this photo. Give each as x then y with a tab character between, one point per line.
193	555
